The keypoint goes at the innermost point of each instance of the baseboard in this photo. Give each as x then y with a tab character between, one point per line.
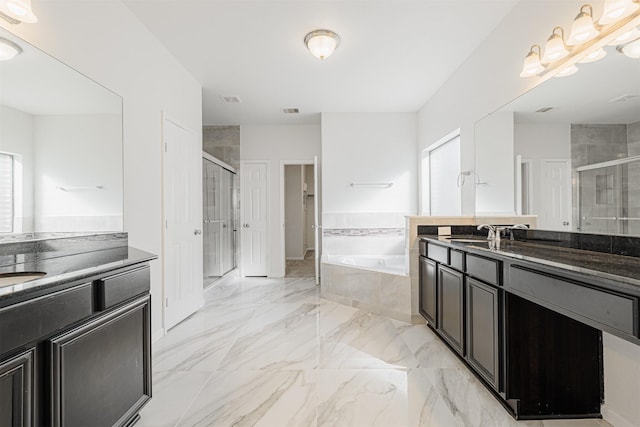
157	334
614	418
295	258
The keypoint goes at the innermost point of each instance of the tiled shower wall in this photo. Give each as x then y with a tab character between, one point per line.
223	143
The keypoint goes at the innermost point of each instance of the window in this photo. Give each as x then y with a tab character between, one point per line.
6	193
441	194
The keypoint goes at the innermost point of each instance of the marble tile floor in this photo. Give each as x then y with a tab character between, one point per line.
272	352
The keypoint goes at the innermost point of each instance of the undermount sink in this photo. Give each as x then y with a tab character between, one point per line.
10	279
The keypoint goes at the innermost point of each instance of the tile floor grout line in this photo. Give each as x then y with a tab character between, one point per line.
194	399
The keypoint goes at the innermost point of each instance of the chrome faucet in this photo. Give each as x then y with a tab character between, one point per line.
492	230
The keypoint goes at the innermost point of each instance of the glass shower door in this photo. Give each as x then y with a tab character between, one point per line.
212	239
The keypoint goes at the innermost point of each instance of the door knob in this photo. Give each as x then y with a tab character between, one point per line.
565	222
246	225
197	232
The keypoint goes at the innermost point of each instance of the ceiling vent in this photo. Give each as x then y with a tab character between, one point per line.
544	109
624	97
231	99
290	111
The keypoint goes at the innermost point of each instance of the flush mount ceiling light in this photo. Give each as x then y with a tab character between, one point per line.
321	43
582	29
631	49
8	49
594	56
532	65
615	10
555	48
16	11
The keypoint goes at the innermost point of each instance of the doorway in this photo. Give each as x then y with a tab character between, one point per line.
219	218
299	208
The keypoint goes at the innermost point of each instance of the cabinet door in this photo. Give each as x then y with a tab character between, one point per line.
427	290
101	370
17	390
483	333
450	286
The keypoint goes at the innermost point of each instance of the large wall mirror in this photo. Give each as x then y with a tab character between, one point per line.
60	147
567	151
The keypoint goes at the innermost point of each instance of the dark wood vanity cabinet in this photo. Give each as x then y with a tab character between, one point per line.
450	307
526	333
427	290
17	390
101	369
79	356
483	310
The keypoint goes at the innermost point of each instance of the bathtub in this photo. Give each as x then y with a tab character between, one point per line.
391	264
379	284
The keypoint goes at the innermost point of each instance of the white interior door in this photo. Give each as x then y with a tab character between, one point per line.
182	188
555	212
253	221
316	218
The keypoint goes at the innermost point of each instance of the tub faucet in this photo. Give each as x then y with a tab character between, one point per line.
519	226
492	230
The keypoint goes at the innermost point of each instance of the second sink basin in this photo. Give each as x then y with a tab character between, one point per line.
10	279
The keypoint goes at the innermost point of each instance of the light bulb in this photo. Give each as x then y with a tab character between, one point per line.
632	49
8	50
615	10
594	56
625	37
555	48
532	65
568	71
582	29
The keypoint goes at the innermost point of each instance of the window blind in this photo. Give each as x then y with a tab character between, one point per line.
6	193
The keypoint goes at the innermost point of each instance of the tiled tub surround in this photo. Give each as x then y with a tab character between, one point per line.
367	268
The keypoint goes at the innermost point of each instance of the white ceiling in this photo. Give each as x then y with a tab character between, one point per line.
394	54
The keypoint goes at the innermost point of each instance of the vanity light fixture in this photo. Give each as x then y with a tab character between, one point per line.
568	71
631	49
532	64
555	48
582	29
321	43
615	10
626	37
8	49
594	56
16	11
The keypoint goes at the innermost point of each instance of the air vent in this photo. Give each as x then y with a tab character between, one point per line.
544	109
290	110
624	97
231	99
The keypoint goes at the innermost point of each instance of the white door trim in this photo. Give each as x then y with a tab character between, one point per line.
267	164
283	163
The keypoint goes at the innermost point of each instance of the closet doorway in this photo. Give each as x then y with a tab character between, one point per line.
299	218
219	217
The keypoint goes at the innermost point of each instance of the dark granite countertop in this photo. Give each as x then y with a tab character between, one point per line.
622	269
66	269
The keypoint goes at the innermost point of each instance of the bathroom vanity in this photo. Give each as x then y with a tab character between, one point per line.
526	315
75	347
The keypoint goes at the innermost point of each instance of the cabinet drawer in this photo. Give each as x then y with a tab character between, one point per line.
438	253
119	288
25	322
456	259
484	269
615	311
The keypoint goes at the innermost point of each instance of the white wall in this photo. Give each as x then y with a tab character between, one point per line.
495	192
294	212
486	81
275	144
78	151
106	42
543	141
369	148
17	137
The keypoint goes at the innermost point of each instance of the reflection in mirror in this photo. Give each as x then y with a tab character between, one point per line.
60	147
567	151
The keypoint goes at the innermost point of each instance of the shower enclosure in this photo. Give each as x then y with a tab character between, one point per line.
219	218
609	197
